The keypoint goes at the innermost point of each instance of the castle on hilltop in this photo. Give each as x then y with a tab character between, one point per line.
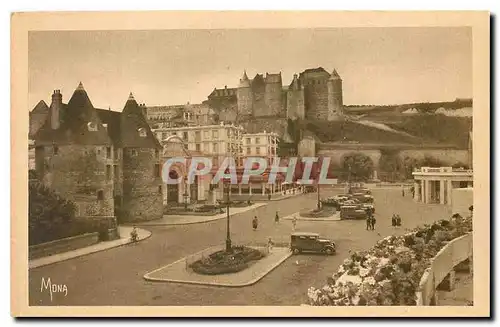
314	94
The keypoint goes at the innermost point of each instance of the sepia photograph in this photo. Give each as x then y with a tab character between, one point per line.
240	164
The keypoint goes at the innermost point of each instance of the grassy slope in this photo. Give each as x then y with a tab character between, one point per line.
436	128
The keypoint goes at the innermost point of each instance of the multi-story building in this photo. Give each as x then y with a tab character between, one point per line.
106	162
216	141
263	145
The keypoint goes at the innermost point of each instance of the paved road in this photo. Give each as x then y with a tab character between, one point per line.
114	277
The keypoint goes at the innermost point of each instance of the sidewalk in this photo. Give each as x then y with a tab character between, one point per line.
101	246
177	272
172	220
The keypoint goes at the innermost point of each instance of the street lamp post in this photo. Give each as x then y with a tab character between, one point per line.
228	231
185	195
319	201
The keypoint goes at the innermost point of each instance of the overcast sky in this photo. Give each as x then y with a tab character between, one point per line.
377	65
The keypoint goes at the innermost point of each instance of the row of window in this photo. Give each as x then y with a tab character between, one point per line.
248	140
207	135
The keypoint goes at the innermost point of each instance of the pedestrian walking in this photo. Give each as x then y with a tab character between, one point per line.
368	223
277	218
255	223
269	196
403	190
394	220
398	221
294	222
373	221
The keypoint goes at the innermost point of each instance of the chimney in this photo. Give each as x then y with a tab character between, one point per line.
55	109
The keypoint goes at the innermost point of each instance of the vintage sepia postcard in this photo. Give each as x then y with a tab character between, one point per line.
250	164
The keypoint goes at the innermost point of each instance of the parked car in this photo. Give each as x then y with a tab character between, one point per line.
353	212
311	242
363	190
366	201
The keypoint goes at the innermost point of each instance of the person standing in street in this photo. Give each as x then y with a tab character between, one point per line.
255	223
368	223
277	218
294	222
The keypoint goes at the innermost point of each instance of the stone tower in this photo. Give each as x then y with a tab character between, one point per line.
295	100
244	96
72	154
335	101
273	94
142	182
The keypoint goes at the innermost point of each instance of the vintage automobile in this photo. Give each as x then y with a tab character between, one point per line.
355	211
311	242
365	200
364	190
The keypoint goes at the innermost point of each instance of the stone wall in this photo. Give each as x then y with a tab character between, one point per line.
142	185
62	245
316	99
335	101
447	156
295	104
273	99
245	101
79	173
259	102
337	155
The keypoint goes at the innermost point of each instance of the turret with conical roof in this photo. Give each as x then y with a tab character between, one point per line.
295	107
245	96
142	182
335	97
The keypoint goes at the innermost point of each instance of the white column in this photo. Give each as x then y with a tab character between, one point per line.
239	189
263	189
441	192
250	188
415	187
428	191
449	187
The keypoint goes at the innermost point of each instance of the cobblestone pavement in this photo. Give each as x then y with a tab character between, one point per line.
115	277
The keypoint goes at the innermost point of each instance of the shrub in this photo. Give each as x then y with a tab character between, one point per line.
49	215
222	262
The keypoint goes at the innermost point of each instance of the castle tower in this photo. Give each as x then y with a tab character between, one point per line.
335	101
142	182
244	96
72	155
273	94
295	100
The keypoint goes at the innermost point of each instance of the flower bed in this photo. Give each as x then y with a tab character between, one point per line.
390	272
321	213
222	262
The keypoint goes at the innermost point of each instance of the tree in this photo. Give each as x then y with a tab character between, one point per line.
391	164
358	165
429	161
47	212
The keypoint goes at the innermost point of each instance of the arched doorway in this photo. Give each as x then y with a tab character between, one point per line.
173	189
